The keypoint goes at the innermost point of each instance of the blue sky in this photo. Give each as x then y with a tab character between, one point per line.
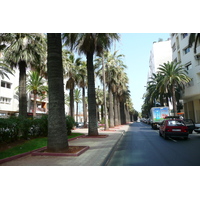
136	47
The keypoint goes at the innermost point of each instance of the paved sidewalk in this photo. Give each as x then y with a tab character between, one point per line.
97	155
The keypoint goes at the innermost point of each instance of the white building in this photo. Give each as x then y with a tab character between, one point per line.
8	98
160	53
185	55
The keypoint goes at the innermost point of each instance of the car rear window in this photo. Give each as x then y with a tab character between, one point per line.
175	123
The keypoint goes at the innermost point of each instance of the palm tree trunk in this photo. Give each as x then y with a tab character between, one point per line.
111	111
116	121
34	103
174	100
118	111
71	94
22	89
84	107
77	112
122	113
93	130
57	130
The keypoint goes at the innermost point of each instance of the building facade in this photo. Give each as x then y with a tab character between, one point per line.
9	101
160	53
182	53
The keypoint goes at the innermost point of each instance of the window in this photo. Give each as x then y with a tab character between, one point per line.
188	66
186	50
5	84
174	47
184	35
4	100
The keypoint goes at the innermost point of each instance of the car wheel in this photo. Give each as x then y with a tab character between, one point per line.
165	137
185	138
160	133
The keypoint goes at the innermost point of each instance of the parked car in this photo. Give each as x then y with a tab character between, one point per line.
79	124
188	122
173	128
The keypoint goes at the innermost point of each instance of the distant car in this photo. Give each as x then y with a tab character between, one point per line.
173	128
79	124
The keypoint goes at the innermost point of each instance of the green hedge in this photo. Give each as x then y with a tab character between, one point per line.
13	128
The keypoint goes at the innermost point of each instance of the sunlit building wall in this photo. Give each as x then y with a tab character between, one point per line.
160	53
182	53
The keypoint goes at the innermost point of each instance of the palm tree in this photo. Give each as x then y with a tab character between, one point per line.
174	76
22	50
100	102
82	83
5	69
57	130
194	38
113	65
77	99
89	44
71	69
156	94
36	85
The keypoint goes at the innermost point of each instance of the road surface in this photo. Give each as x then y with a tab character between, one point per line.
142	146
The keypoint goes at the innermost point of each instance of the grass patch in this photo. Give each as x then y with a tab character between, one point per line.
29	146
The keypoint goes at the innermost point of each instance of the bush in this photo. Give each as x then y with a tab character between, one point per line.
40	126
15	127
70	122
24	125
9	130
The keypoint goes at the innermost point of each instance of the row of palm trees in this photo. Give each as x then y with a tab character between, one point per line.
46	56
165	86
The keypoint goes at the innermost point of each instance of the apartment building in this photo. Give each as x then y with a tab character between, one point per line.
185	55
8	95
160	53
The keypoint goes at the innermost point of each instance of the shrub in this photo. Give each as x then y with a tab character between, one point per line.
9	130
70	122
40	126
24	125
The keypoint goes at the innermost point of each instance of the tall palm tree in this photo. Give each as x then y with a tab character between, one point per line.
174	76
23	50
194	38
36	85
82	83
71	70
57	130
90	44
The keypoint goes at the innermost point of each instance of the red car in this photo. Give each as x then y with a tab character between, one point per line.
173	128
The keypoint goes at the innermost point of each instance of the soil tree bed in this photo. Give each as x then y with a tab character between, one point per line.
71	151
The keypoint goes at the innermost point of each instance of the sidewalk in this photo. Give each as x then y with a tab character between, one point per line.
98	153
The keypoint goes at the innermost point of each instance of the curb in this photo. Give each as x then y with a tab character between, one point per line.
108	157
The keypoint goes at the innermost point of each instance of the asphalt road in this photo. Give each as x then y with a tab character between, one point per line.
142	146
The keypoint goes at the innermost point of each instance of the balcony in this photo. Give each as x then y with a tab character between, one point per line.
39	110
39	98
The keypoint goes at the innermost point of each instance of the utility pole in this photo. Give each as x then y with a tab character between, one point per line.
104	94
